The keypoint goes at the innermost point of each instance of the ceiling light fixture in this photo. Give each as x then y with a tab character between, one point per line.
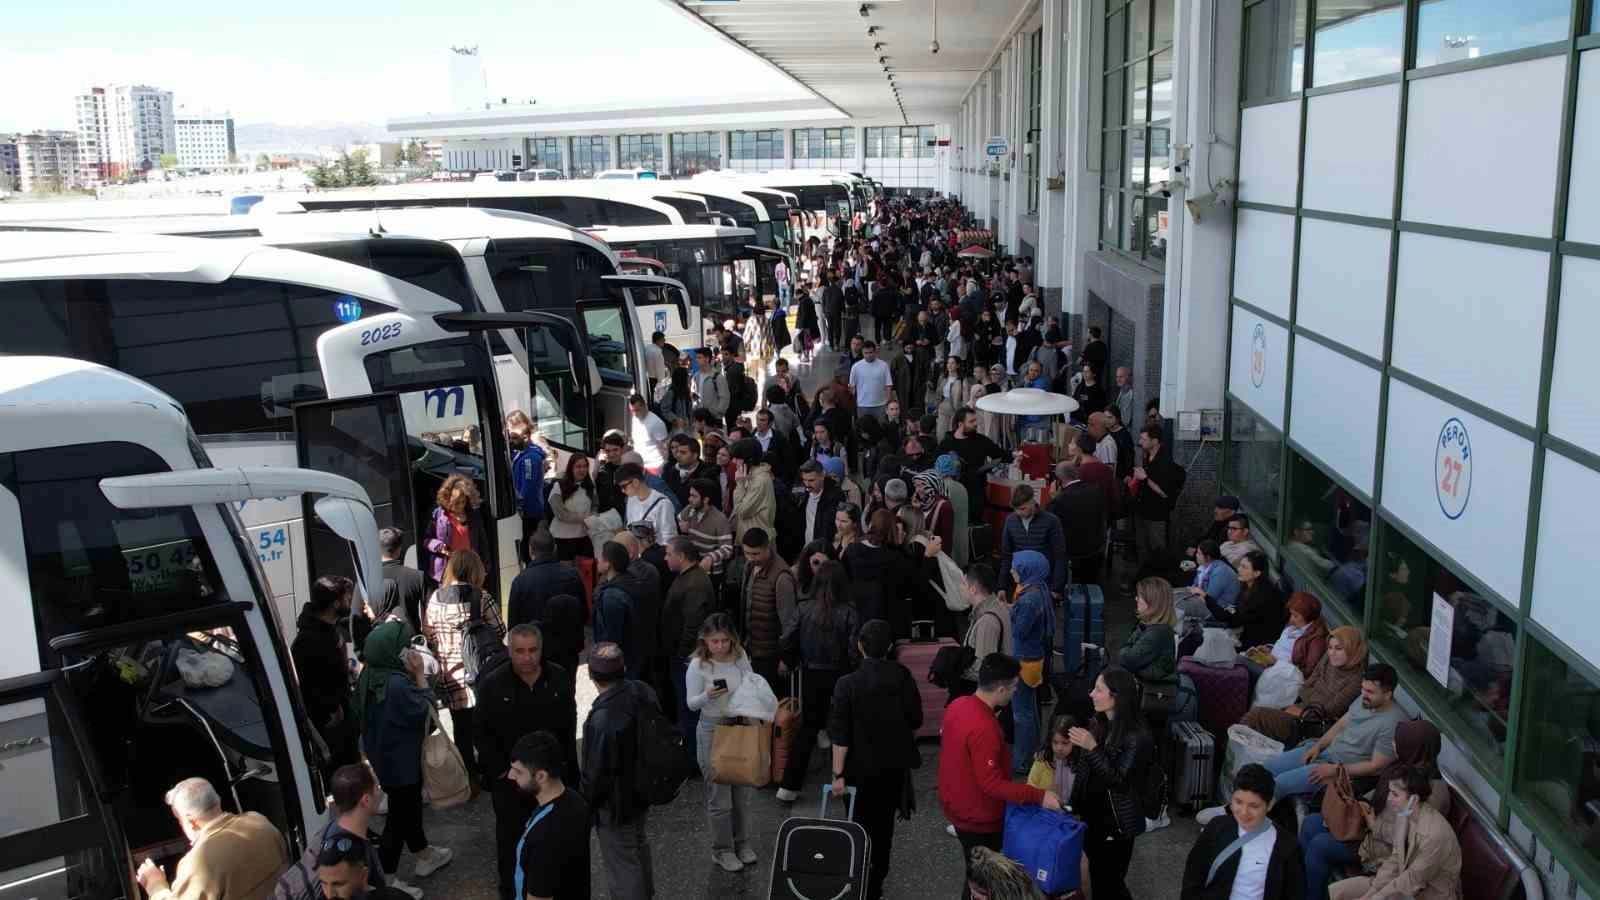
872	30
865	10
933	46
876	46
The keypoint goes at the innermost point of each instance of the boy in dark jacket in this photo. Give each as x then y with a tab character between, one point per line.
319	653
610	760
1245	855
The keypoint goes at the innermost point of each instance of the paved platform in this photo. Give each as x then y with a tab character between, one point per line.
926	862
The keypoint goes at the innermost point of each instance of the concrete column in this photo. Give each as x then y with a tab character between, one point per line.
725	148
565	143
1080	107
1194	345
788	148
614	148
1049	268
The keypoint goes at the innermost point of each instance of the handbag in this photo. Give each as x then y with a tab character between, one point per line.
785	725
952	661
1313	723
1340	809
1046	844
445	782
741	754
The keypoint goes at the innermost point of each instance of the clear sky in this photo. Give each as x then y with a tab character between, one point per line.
300	62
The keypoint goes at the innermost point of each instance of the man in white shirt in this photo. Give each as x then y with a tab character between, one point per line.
648	434
819	503
1105	446
646	504
871	382
655	362
1244	855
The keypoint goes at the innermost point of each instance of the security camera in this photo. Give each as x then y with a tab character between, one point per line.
1202	206
872	30
1165	188
865	10
933	47
877	45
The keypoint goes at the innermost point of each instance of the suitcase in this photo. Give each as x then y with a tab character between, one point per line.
785	725
821	858
1194	765
917	655
586	574
1223	694
1084	622
982	539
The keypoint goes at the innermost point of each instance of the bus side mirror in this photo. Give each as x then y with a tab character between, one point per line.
354	522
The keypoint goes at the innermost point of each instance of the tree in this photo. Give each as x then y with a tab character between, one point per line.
263	162
349	170
415	154
169	160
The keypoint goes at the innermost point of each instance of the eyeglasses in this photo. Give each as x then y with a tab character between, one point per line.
1235	527
340	843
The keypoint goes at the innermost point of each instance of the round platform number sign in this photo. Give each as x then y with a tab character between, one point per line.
1452	468
347	309
1258	355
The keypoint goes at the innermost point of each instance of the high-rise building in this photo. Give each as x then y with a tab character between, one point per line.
10	171
204	142
47	160
468	88
124	130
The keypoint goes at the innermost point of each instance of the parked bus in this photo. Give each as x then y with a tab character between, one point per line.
127	565
249	338
717	264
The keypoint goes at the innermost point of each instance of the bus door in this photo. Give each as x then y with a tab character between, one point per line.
610	335
662	304
761	264
58	833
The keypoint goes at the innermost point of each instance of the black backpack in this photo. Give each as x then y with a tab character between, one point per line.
662	763
483	647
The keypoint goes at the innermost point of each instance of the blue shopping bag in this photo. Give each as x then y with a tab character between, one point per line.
1047	844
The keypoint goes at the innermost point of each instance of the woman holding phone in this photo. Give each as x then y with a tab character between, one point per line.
716	668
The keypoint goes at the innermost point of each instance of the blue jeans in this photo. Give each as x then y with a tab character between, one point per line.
1324	855
785	292
1025	713
1293	777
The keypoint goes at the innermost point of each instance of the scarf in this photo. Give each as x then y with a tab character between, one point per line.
382	652
1355	646
932	492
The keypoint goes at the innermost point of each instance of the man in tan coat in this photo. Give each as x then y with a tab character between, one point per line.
231	857
1426	862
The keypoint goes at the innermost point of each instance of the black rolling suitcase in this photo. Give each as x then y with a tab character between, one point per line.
1194	765
821	858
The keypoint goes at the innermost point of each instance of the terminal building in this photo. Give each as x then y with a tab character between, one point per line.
1343	241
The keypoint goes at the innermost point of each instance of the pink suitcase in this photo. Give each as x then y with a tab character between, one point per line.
917	655
1224	694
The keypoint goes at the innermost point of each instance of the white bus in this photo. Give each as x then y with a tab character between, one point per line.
250	337
766	210
126	562
716	263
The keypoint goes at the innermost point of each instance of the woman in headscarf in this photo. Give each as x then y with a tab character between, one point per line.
834	467
1416	743
394	705
949	468
1334	684
938	515
1032	630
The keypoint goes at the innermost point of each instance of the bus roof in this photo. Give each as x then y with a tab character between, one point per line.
52	400
36	256
626	234
439	223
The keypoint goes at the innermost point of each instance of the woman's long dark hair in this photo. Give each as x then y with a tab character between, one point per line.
802	569
1128	721
680	382
830	589
569	484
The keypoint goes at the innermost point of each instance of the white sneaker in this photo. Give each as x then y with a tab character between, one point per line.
823	743
950	830
1157	824
787	796
727	860
438	858
401	886
1205	816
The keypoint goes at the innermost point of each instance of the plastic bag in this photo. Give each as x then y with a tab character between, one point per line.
603	527
1245	746
1279	686
204	670
1217	649
753	699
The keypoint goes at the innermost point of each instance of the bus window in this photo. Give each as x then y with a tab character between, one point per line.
429	265
547	276
607	328
560	406
92	565
43	784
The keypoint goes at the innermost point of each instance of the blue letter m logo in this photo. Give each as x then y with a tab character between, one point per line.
443	395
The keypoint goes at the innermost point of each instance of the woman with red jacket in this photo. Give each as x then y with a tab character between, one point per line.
975	765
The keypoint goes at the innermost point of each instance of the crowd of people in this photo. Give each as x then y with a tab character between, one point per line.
744	530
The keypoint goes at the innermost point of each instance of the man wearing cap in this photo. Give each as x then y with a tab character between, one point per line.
1217	530
610	739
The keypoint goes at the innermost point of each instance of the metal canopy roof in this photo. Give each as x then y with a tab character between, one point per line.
825	45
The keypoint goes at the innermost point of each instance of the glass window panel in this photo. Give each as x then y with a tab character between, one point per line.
1110	216
1161	89
1358	40
1154	235
1558	754
1162	21
1483	639
1329	535
1274	42
1115	99
1160	141
1451	30
1134	172
1139	92
1255	461
1117	39
1132	223
1138	29
925	139
1111	159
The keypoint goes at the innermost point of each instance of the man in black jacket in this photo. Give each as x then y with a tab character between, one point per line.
1245	849
530	694
814	509
691	599
403	587
319	660
832	310
545	577
610	764
873	725
686	466
1081	507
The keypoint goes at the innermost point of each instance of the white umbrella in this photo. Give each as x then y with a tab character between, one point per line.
1028	402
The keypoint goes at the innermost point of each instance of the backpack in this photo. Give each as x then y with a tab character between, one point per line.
747	394
527	477
483	648
662	761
